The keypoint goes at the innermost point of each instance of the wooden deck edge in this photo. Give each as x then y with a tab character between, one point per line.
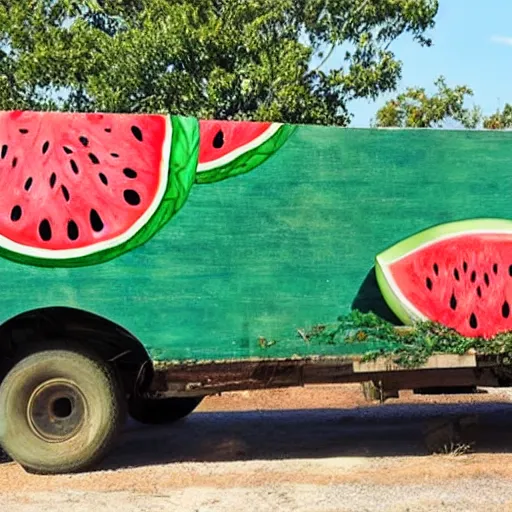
233	376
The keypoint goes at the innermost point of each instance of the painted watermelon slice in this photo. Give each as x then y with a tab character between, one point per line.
230	148
457	274
81	189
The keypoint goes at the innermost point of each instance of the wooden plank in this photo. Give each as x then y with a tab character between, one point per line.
437	378
438	361
219	376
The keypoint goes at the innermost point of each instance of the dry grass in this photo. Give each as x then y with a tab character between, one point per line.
455	449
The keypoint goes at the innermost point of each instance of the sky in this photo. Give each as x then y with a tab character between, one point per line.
472	45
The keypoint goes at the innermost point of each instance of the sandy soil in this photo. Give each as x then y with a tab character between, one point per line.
312	449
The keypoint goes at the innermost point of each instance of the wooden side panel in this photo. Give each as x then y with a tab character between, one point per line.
288	245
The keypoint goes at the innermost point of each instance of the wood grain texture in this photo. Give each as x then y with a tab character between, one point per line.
289	245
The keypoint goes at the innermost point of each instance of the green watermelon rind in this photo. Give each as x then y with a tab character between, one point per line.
391	293
182	169
248	161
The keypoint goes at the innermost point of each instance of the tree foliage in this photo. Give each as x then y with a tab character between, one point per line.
416	109
500	120
232	59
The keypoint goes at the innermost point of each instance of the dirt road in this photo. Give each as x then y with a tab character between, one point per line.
311	449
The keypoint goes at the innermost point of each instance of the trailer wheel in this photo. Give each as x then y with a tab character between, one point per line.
152	411
60	411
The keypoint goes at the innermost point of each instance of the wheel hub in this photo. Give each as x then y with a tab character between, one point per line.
56	410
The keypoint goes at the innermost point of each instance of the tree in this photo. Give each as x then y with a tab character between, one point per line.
229	59
499	120
415	109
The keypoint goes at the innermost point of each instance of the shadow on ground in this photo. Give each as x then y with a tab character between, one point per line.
389	430
3	457
382	431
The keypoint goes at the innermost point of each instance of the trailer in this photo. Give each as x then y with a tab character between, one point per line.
148	261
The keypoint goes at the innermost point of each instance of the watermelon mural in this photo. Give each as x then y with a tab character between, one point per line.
82	189
232	148
457	274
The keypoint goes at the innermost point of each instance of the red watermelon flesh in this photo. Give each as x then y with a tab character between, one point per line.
223	141
71	181
463	282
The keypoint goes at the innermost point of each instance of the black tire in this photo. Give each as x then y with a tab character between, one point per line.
60	411
152	411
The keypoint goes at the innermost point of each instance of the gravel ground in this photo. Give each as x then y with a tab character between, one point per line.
310	449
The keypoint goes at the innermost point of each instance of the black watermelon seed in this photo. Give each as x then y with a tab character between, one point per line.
495	268
453	302
74	167
510	270
16	213
108	130
473	276
103	178
95	220
94	159
218	140
473	322
84	141
137	133
65	192
67	150
456	274
429	283
45	230
130	173
436	269
5	148
479	291
28	184
465	267
72	230
53	179
14	162
131	197
115	155
46	147
24	131
486	279
505	310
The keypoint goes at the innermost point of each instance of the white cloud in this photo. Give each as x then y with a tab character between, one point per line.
502	40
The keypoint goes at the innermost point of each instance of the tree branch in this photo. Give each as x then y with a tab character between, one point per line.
350	17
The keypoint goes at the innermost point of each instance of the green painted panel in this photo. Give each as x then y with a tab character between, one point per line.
288	245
